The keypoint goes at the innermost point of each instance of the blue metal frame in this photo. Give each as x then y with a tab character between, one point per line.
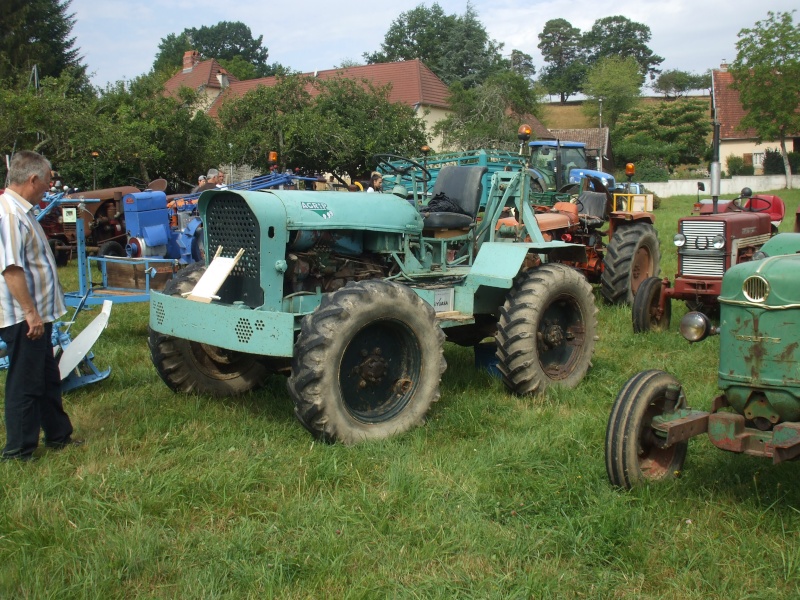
91	294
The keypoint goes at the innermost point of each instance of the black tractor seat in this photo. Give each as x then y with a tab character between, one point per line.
593	209
461	188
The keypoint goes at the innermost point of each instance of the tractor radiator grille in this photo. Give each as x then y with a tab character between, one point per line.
698	256
231	224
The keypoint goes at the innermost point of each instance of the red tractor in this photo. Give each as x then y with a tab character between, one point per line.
722	235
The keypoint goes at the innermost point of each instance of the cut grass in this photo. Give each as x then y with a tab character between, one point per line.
495	497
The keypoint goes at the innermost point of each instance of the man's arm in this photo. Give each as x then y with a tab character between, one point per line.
18	286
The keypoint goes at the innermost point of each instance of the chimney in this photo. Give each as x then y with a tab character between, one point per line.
724	66
190	59
222	77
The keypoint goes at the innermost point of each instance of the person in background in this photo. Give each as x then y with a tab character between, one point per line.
213	178
201	179
376	183
31	298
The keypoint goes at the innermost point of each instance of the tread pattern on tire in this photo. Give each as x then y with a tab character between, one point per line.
642	303
323	338
623	472
517	350
617	262
172	357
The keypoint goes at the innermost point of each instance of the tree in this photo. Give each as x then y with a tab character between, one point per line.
455	48
229	42
667	133
488	115
612	85
560	45
676	84
37	33
338	130
619	36
356	120
766	72
170	52
522	64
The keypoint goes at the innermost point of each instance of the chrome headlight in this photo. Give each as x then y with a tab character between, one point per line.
679	239
760	255
695	326
718	242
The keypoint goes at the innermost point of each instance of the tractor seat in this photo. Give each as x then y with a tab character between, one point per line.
463	187
772	205
594	208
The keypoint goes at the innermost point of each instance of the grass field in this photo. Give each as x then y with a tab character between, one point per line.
495	497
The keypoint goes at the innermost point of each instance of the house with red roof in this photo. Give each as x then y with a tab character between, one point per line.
206	77
412	83
734	138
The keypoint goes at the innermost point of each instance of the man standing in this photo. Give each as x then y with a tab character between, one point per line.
30	300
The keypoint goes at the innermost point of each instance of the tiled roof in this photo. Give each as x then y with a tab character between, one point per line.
594	138
412	83
728	108
540	132
203	74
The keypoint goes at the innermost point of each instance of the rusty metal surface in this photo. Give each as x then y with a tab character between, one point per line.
687	424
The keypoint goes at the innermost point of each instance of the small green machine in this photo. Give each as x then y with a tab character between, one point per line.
758	409
352	296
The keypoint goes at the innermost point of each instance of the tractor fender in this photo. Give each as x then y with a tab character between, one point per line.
498	263
621	216
537	176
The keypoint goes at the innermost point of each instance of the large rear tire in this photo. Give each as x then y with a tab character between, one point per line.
187	366
632	255
547	330
646	314
634	452
367	363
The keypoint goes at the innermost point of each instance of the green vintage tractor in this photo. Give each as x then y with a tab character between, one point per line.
353	295
758	411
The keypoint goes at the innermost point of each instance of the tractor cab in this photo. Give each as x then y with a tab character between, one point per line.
558	166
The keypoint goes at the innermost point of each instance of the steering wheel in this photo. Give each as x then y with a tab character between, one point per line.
763	204
404	170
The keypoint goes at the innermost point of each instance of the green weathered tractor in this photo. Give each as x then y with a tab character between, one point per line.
758	411
353	295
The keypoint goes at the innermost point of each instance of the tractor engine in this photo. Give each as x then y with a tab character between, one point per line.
299	242
324	269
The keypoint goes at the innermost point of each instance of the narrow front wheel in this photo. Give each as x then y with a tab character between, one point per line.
635	451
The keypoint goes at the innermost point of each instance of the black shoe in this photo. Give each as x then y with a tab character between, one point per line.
70	443
19	458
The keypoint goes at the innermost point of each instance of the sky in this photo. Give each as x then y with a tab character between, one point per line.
118	39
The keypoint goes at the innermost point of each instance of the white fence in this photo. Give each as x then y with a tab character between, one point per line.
734	185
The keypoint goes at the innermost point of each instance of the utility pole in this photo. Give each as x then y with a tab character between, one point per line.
601	112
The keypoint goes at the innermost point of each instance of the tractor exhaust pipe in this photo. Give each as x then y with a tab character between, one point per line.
715	171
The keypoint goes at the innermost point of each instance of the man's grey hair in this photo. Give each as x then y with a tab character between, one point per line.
212	173
26	163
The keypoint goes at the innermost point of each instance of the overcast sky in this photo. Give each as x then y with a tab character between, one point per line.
119	38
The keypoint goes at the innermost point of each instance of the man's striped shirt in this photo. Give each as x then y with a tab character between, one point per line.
23	243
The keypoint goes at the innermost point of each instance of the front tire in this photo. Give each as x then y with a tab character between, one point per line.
634	452
646	313
188	367
632	255
547	330
367	363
